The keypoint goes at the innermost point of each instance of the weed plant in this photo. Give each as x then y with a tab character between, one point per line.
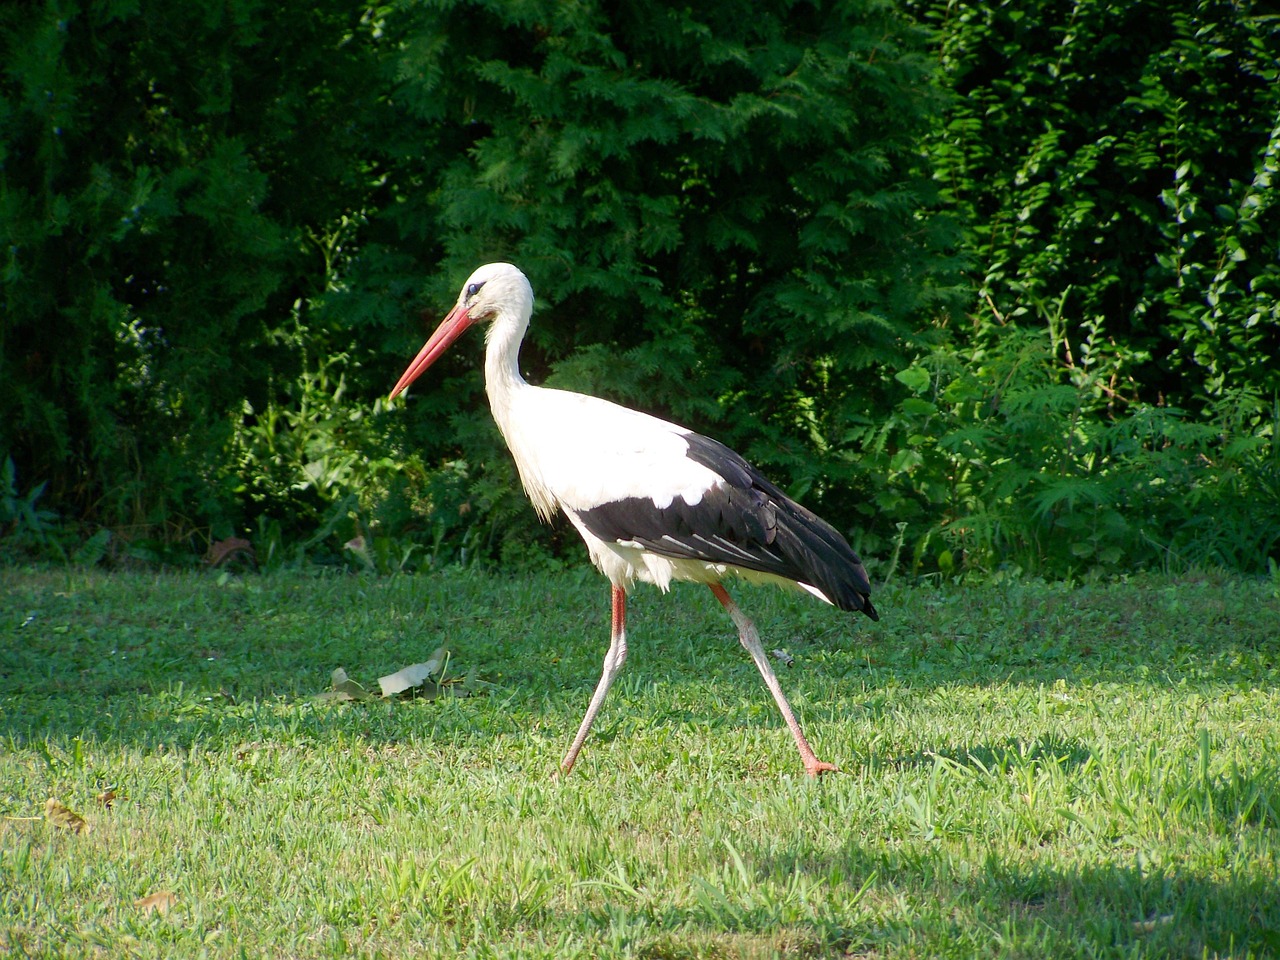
1027	453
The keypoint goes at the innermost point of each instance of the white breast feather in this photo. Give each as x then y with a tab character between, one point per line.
577	452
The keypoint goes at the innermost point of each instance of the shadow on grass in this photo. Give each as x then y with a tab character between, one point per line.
1030	909
924	906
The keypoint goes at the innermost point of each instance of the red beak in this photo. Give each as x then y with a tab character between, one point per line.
450	329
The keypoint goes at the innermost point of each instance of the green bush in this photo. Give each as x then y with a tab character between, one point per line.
723	208
219	223
1009	455
161	167
1123	156
1109	401
726	207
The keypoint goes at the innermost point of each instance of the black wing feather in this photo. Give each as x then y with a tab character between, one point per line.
744	521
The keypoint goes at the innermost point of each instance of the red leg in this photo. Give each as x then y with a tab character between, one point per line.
751	641
613	661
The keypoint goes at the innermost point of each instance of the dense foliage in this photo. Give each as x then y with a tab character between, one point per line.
221	227
165	169
1110	399
715	219
1119	160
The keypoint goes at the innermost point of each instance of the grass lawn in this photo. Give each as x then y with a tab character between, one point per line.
1030	770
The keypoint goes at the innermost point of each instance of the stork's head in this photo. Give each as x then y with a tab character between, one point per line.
495	291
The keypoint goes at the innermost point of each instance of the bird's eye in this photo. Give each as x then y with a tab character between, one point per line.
473	289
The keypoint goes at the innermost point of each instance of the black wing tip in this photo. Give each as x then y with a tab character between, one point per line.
855	601
818	553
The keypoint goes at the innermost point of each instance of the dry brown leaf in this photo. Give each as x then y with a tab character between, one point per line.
231	548
63	817
158	902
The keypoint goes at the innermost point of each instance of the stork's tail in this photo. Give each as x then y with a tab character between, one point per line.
824	558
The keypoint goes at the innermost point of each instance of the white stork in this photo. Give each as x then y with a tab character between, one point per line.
654	502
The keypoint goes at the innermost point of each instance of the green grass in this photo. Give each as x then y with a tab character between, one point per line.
1029	771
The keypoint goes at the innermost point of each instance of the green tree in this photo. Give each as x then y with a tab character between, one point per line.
724	206
1120	160
1109	402
217	222
162	166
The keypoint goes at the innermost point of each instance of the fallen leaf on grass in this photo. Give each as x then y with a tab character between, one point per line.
158	902
414	675
344	688
423	680
63	817
453	687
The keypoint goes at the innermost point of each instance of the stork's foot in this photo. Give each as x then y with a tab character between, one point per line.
816	768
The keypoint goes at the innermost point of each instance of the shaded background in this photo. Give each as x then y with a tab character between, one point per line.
1003	274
